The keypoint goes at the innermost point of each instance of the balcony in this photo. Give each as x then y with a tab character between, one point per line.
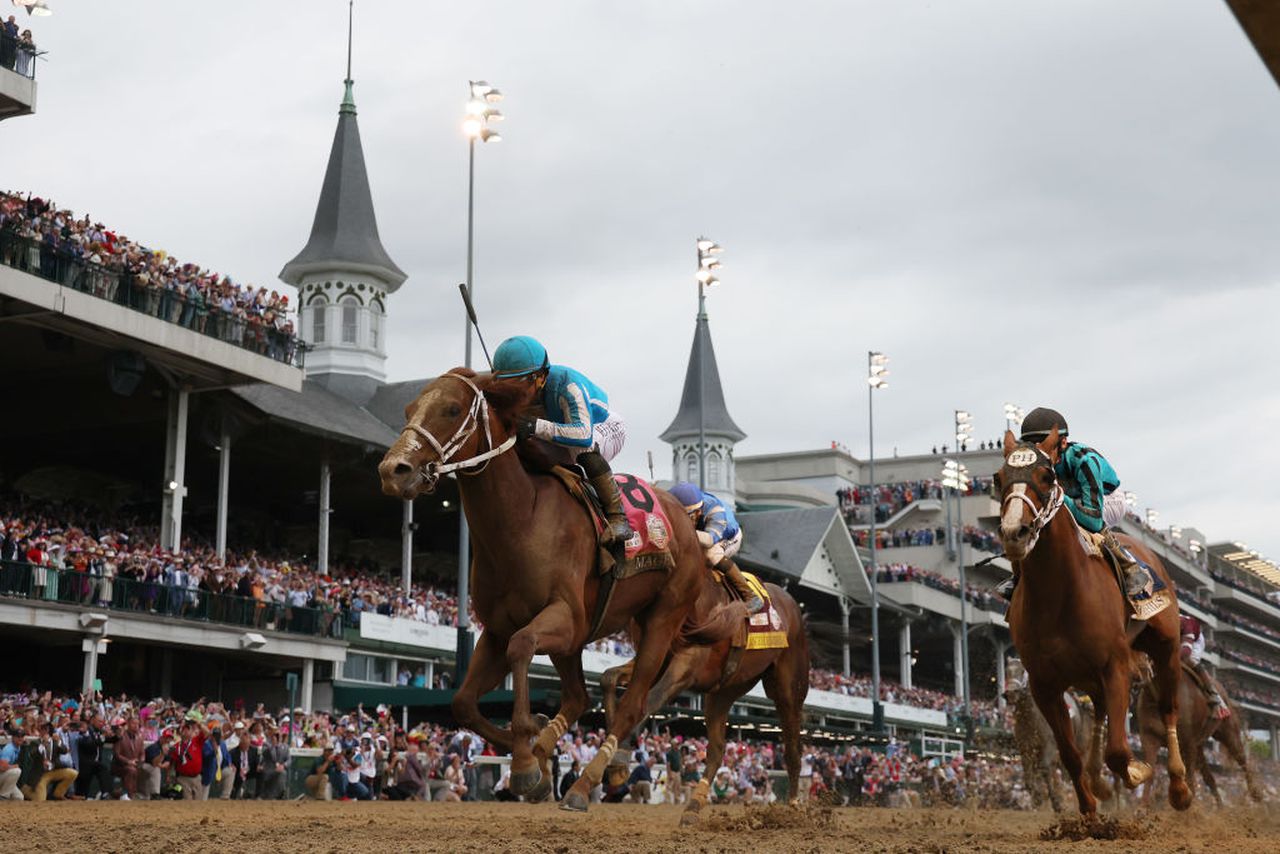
17	78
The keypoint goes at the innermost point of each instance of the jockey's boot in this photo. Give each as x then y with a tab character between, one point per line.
1217	705
617	531
730	569
1138	582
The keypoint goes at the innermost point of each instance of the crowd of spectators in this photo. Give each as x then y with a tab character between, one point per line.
1237	691
17	48
985	713
59	551
1255	661
98	746
889	498
891	538
1258	588
39	237
901	572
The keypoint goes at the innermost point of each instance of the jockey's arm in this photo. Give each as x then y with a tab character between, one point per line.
715	523
574	427
1088	507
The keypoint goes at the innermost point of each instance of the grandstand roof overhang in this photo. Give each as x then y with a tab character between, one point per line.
809	545
188	357
17	94
316	410
1261	23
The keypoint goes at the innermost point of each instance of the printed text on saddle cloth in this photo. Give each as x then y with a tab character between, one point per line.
651	529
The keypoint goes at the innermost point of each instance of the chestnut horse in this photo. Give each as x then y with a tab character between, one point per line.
1070	621
533	577
1196	725
723	675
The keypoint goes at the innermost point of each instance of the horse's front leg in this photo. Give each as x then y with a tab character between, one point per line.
1132	772
1049	700
573	702
550	632
609	682
488	667
1168	670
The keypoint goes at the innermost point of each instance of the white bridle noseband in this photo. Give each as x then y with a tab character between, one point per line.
1043	515
477	415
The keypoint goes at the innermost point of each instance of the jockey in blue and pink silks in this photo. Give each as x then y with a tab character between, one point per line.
719	536
578	419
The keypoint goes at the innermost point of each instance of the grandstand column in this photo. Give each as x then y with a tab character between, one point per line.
1002	650
322	547
406	547
224	484
904	653
308	684
175	470
1275	742
93	646
845	607
957	634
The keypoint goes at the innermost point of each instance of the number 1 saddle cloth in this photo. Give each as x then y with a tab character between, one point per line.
648	549
762	630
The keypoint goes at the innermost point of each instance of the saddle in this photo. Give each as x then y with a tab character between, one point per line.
762	630
1157	596
645	551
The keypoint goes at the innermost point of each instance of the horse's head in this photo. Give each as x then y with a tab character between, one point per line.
1029	492
458	422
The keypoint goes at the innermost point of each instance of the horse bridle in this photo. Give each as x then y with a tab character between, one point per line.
1050	504
431	470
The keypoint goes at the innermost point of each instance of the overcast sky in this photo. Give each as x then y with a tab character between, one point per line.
1073	204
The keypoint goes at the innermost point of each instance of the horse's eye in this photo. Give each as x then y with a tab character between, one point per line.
453	411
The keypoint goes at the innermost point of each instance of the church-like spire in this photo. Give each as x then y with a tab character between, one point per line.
344	237
702	391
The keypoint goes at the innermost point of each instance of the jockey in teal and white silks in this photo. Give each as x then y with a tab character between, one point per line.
1091	492
719	535
578	418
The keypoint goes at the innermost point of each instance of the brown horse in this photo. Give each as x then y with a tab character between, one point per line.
1196	725
1069	621
1034	739
533	579
723	675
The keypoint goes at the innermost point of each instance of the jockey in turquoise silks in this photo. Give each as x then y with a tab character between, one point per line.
578	419
719	535
1090	485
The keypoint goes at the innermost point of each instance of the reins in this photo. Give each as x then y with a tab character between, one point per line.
1043	514
477	415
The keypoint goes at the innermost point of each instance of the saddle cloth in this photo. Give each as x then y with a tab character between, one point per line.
647	550
763	630
1145	608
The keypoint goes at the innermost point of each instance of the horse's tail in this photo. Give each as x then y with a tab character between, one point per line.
719	625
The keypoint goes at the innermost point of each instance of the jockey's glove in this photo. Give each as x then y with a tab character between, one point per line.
525	428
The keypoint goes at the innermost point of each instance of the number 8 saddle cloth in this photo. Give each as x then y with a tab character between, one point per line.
648	548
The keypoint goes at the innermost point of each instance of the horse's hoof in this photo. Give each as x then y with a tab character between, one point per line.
1179	795
1137	773
689	818
539	793
541	721
524	782
574	802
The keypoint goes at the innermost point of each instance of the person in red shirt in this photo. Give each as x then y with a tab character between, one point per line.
187	756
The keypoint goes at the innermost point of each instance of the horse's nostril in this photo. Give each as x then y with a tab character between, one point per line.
402	469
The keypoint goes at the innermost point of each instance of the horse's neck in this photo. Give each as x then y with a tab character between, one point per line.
1059	544
499	501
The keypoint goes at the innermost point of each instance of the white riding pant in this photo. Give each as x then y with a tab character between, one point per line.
723	549
609	436
1113	509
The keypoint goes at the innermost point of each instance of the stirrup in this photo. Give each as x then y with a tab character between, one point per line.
1005	588
617	531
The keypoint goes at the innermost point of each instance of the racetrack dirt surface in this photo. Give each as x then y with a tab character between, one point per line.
385	827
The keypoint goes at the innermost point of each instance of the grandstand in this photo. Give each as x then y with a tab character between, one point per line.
161	424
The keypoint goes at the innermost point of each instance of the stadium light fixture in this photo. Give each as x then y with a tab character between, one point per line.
955	476
1131	500
707	262
877	371
1013	416
1153	516
1175	531
475	126
964	429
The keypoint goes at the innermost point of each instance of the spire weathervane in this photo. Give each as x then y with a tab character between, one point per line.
348	97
